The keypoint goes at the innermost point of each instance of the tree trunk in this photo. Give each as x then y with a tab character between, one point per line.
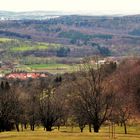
81	129
21	127
96	128
125	129
17	127
32	127
58	127
25	126
48	128
90	128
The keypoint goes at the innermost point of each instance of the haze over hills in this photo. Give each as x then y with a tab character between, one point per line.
42	15
31	15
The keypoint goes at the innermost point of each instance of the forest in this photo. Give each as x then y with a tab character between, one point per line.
118	34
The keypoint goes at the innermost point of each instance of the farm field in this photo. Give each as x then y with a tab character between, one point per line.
52	68
2	40
69	134
37	46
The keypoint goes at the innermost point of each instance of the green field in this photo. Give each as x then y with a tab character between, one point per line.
30	56
2	40
53	68
49	66
23	46
37	46
71	134
27	48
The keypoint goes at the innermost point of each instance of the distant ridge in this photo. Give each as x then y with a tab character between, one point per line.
31	15
42	15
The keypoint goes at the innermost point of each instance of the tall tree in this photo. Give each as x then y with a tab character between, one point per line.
92	94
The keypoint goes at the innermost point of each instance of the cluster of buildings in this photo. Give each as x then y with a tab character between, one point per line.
106	60
17	73
25	75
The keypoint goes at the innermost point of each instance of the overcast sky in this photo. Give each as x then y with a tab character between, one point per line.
92	6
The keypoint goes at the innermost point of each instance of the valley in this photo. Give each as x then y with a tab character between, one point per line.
69	75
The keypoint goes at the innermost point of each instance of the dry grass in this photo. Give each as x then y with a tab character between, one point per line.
68	134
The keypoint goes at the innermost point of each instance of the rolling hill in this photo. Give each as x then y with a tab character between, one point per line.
85	35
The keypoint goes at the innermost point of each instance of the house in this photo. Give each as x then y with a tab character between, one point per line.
25	75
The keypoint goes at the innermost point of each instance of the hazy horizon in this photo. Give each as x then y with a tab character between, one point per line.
95	7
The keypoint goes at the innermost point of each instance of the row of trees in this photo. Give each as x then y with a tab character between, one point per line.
92	96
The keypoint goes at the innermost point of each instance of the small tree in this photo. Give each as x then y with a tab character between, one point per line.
124	87
63	52
33	91
51	105
80	117
9	108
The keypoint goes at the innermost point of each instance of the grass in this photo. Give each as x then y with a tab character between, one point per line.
38	46
68	134
49	66
27	48
2	40
53	68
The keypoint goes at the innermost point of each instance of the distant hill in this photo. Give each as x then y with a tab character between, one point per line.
107	35
33	15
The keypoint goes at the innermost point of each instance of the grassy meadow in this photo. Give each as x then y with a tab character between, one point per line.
2	40
72	134
53	67
28	48
37	46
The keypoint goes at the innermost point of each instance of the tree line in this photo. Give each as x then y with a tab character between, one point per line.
94	95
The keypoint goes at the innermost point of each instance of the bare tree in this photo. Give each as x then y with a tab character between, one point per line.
79	116
91	94
9	108
33	91
51	104
125	83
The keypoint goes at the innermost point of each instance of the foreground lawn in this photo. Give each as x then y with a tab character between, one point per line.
69	134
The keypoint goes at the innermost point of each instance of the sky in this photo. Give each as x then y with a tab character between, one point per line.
85	6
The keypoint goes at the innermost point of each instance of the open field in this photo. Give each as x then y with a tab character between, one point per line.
37	46
53	67
2	40
69	134
48	66
27	48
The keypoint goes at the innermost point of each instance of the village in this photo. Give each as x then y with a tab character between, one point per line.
25	75
14	72
11	70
